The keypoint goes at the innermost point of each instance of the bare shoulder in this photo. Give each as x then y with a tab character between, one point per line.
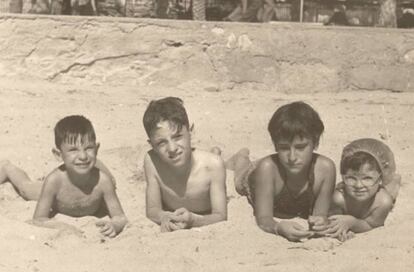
148	159
383	200
267	166
105	181
324	164
208	160
55	178
149	164
338	199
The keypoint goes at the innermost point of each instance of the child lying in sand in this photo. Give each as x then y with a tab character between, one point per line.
293	182
369	189
185	186
77	187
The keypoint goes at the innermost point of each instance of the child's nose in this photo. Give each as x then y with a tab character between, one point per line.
82	155
172	146
358	183
292	155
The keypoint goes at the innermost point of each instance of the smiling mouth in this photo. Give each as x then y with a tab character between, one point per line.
174	156
360	192
82	165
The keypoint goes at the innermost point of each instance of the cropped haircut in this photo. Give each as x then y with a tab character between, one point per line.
74	127
166	109
295	119
357	160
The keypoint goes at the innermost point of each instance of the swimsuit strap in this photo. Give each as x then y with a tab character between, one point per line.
311	177
312	182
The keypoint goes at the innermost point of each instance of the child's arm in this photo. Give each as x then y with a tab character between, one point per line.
44	205
264	196
118	218
341	224
376	218
153	201
337	203
264	201
101	166
47	196
217	198
327	173
393	185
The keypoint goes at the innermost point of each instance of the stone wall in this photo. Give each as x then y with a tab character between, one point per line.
140	52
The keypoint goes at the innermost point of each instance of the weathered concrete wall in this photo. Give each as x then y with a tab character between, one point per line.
277	57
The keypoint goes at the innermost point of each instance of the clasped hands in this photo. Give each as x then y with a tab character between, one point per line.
336	226
179	219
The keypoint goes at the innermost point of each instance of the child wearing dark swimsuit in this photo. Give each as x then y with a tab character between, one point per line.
293	182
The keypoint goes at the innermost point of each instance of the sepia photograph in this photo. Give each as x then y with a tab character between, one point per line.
207	135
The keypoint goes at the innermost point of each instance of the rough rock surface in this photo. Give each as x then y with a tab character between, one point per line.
135	52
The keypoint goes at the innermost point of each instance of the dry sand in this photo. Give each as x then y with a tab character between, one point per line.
230	120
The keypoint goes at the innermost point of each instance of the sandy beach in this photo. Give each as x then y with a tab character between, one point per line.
229	119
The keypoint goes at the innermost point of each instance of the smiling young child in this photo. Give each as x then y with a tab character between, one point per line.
363	200
185	186
78	187
293	182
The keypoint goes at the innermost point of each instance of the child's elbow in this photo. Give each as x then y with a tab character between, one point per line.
223	217
153	216
39	221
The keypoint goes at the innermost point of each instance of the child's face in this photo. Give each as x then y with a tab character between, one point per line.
295	155
173	146
78	157
363	184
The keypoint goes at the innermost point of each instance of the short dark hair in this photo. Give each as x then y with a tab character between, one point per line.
71	128
295	119
357	160
165	109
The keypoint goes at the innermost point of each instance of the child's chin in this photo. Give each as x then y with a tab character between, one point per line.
83	169
361	197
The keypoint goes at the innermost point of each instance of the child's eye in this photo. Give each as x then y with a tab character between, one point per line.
177	137
301	147
368	179
161	143
282	147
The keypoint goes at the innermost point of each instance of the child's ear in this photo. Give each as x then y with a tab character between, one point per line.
58	155
192	130
97	147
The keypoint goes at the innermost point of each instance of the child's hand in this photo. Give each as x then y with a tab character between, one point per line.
106	228
170	222
318	223
185	217
339	226
292	231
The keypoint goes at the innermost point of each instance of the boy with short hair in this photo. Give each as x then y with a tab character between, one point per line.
363	200
293	182
185	186
78	187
